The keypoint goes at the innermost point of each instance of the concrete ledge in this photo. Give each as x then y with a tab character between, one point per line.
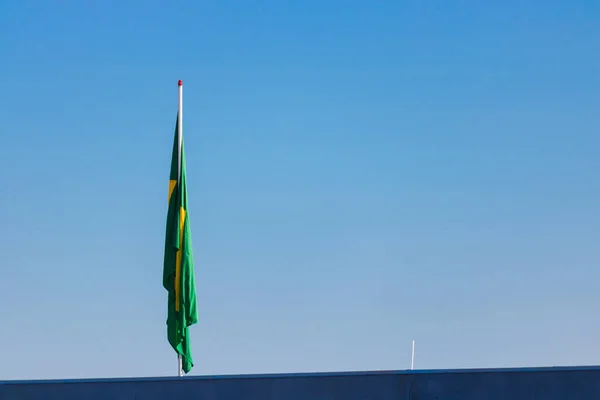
552	383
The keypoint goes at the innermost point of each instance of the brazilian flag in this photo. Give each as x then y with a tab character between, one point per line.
178	268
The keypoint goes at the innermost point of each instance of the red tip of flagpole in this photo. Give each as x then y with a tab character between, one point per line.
179	83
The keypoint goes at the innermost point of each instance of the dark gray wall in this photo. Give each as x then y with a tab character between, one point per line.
514	384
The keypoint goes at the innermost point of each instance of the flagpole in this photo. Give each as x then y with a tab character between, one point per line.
179	129
179	143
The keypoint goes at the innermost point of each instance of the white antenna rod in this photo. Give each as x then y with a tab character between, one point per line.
412	360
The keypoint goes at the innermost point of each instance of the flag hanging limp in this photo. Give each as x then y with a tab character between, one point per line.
178	268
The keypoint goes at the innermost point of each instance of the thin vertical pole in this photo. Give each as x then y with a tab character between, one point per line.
179	142
179	129
412	360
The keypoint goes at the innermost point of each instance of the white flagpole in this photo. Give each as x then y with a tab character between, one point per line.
179	129
179	141
412	360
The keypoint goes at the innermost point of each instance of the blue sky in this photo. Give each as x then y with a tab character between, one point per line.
361	174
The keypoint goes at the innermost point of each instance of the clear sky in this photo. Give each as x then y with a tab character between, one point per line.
361	174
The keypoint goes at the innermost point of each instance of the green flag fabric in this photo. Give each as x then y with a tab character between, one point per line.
178	268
